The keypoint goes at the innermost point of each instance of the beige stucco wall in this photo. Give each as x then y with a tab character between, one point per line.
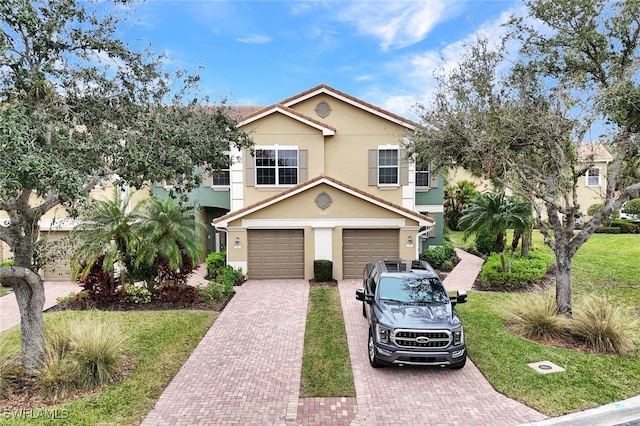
300	212
343	156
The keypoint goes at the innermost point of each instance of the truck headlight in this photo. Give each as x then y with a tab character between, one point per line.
383	333
458	336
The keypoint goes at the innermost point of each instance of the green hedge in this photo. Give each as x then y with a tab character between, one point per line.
443	257
626	226
322	270
608	230
525	272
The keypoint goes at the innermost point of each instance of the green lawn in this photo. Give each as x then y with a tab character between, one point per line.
605	265
159	343
3	292
326	366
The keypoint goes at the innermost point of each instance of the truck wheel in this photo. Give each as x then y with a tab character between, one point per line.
459	365
373	359
364	310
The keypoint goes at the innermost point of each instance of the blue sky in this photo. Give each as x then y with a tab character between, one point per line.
261	52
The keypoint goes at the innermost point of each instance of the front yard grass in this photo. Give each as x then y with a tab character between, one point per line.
326	366
3	292
159	343
606	265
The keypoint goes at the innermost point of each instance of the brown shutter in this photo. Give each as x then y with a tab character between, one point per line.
373	167
404	168
303	165
249	169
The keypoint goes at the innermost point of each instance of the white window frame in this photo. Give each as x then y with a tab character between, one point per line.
387	166
426	172
589	176
277	167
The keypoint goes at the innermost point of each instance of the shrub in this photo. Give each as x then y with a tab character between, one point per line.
212	292
182	295
602	326
485	243
215	262
6	262
58	376
525	272
608	230
632	206
100	285
230	277
626	226
536	317
594	208
98	351
322	270
136	294
10	368
438	256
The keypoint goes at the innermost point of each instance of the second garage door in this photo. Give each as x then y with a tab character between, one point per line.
276	253
360	246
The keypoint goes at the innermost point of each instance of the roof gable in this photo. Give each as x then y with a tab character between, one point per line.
224	221
288	112
344	97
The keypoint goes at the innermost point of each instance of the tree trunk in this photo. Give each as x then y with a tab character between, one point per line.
563	282
30	296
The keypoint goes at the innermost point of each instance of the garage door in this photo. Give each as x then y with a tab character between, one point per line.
57	244
277	253
360	246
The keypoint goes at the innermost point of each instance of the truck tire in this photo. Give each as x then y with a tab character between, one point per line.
459	365
371	351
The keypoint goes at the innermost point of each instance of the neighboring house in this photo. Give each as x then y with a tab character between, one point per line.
328	181
591	186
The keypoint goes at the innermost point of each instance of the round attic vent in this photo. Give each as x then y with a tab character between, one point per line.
323	200
323	109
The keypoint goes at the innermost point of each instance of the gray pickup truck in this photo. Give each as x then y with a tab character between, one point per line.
412	320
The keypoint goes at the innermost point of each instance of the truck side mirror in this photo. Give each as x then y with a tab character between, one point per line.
362	296
460	297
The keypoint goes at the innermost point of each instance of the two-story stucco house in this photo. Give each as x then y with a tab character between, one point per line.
328	179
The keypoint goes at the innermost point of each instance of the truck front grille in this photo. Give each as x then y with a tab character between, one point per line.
406	338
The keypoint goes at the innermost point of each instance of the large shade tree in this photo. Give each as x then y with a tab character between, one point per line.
521	120
77	104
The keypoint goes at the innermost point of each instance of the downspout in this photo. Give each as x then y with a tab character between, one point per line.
419	236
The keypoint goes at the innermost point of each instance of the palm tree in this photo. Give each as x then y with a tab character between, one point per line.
171	241
494	213
107	235
456	200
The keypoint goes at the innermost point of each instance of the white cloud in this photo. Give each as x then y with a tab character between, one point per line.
255	39
397	24
420	68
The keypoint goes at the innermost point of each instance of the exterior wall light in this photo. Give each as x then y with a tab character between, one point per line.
409	241
237	243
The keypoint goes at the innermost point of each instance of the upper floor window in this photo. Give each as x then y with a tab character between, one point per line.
593	176
276	166
423	176
221	178
388	166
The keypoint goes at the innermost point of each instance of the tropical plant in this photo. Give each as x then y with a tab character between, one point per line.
494	213
170	241
456	199
107	233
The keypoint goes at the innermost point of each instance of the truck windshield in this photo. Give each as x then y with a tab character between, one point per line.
412	290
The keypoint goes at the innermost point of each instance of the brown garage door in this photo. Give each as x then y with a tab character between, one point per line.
360	246
276	253
57	250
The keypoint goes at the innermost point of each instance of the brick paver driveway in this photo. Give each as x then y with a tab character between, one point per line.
421	396
246	370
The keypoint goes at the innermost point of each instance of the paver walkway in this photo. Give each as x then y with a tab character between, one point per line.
9	313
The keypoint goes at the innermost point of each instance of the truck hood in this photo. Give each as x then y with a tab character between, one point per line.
398	315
